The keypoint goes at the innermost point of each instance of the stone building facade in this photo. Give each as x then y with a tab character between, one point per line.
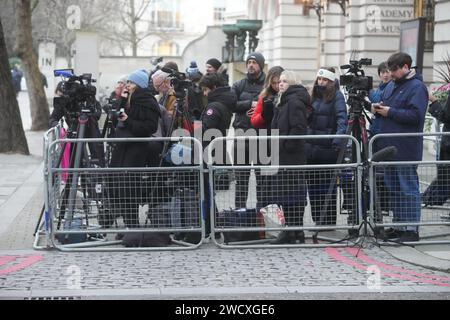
303	35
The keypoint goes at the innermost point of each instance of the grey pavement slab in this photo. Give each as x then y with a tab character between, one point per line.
20	178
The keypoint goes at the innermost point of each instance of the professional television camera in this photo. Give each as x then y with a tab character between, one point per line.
178	81
357	84
79	93
112	108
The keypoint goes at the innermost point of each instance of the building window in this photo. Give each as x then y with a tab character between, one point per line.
219	15
166	48
425	9
166	15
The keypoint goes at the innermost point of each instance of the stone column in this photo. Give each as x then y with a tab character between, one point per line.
296	40
87	53
47	64
332	34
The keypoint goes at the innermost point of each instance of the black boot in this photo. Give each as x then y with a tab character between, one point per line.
285	237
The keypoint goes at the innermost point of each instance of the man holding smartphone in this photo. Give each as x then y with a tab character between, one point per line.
402	109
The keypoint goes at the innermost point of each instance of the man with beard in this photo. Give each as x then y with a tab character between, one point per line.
247	92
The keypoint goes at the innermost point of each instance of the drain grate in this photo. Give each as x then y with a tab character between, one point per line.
53	298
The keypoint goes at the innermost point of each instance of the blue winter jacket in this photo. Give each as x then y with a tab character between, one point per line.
328	118
408	100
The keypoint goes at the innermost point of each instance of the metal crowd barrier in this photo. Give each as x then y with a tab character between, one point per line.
314	198
42	229
93	209
410	209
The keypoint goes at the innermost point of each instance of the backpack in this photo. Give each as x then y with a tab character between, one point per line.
146	240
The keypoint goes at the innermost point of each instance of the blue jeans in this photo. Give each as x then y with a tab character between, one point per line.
403	185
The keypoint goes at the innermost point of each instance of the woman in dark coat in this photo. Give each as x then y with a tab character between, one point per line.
289	187
329	117
139	119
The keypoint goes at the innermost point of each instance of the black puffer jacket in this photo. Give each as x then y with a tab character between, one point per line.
290	119
218	112
247	91
143	116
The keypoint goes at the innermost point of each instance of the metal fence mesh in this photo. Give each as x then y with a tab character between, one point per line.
163	199
308	197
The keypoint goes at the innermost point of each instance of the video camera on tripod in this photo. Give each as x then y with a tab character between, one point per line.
79	92
357	84
178	81
112	108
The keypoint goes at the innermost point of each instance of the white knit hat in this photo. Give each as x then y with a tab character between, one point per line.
323	73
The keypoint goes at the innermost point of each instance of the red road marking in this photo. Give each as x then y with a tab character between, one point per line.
28	261
6	260
362	256
335	254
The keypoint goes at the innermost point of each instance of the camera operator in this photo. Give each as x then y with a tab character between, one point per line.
403	108
139	119
213	65
120	86
166	97
329	117
195	95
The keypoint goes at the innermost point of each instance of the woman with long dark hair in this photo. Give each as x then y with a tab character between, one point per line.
329	117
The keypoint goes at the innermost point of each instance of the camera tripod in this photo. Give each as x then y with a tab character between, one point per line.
79	157
179	118
356	128
108	131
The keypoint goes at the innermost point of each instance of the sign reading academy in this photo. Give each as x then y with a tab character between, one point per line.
384	16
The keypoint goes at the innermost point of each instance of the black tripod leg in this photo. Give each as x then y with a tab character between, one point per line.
39	221
334	178
77	164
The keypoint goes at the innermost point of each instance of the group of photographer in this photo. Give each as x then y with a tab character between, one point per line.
277	101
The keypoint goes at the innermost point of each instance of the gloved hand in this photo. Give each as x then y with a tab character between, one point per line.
267	110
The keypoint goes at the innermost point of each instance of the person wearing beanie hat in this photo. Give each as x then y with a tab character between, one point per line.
138	118
139	77
326	74
329	117
247	91
193	73
213	65
258	57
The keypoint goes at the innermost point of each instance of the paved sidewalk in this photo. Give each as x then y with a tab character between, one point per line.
20	180
212	272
